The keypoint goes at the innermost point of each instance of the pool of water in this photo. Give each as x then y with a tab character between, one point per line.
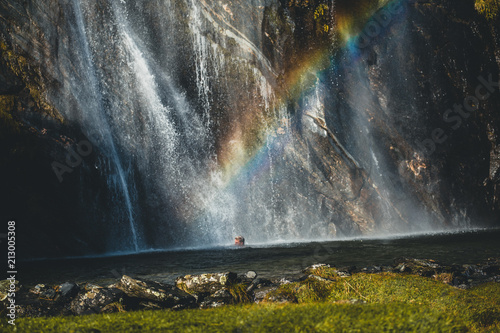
269	261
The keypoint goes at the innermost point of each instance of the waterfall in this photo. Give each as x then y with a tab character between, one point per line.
95	120
202	137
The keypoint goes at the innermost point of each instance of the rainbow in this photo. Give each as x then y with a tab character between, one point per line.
242	161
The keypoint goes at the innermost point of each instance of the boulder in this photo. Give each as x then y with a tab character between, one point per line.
219	298
261	293
5	288
258	283
43	291
422	267
163	295
97	300
36	307
41	301
68	290
310	269
371	269
205	283
277	296
289	279
49	294
38	289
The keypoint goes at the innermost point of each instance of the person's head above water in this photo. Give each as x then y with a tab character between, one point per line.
239	240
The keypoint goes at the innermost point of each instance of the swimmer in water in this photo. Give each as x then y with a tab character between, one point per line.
239	241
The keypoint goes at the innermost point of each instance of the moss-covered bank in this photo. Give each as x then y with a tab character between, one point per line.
326	303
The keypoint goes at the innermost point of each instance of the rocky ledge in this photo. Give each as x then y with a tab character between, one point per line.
218	289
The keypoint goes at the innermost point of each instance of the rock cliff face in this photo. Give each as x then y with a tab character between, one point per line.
130	126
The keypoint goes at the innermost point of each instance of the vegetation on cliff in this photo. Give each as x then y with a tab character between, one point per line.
488	8
31	75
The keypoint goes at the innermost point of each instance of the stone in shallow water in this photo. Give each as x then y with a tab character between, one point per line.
251	275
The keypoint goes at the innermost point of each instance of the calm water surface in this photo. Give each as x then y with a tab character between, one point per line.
268	261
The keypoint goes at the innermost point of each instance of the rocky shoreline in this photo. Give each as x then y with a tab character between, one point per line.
218	289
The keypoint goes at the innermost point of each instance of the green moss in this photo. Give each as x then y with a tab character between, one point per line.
286	292
310	290
478	308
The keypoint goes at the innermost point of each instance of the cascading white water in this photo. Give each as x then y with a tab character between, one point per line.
181	93
94	114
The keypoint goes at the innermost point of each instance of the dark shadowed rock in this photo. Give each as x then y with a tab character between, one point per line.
422	267
211	302
261	293
219	298
372	269
223	293
39	288
258	283
280	297
289	279
49	294
68	290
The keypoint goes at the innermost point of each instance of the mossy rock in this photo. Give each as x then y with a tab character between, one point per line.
205	283
32	77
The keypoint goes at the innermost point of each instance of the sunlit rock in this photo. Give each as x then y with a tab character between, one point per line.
96	300
166	296
205	283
